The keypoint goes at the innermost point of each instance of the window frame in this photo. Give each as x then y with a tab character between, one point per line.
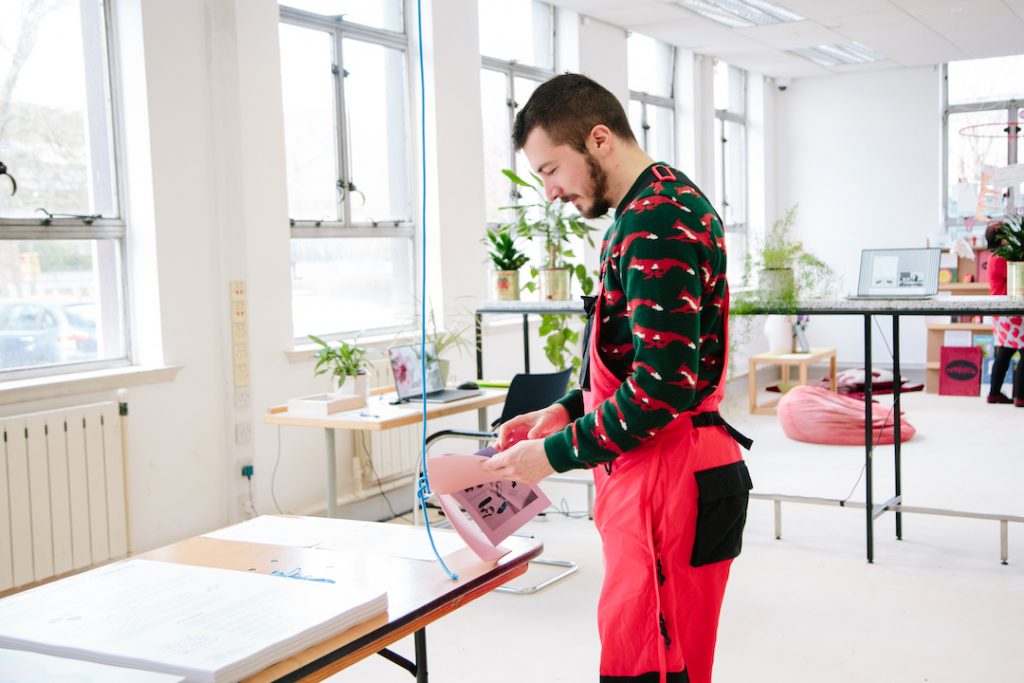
723	116
344	227
339	29
96	228
513	70
1013	108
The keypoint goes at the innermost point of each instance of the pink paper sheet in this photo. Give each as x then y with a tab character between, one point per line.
497	508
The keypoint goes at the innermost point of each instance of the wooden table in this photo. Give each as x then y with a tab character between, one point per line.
419	592
787	360
379	415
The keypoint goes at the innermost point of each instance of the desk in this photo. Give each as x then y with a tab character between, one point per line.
868	308
418	591
378	417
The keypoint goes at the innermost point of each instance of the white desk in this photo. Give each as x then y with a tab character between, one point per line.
378	417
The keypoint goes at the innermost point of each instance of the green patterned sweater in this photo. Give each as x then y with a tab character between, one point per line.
662	319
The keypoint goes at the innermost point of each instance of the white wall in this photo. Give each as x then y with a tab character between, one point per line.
860	154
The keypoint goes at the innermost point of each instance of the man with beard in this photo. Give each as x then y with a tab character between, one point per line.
671	486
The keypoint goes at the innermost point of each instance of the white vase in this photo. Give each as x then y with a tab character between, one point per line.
778	330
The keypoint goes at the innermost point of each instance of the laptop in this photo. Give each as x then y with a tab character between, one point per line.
898	274
406	369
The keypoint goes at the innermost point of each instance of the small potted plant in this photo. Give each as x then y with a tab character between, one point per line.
343	361
787	272
1011	248
548	220
507	260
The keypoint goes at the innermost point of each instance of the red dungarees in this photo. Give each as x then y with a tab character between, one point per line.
657	612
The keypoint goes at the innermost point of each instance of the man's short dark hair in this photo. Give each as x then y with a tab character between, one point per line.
568	107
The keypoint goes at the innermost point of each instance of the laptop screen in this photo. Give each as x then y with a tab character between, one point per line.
899	272
405	368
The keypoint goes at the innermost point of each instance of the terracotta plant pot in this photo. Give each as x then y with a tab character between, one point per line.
506	284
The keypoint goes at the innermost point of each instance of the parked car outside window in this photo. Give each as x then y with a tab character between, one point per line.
44	332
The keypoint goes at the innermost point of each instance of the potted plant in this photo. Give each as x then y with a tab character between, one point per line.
787	272
343	361
549	221
1011	248
507	260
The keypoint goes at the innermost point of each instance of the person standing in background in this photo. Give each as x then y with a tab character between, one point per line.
1008	330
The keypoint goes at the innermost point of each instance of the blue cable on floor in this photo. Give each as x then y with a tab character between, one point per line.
423	484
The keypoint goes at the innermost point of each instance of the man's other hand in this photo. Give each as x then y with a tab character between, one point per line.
524	461
535	425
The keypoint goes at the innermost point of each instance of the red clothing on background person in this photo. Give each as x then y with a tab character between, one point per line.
1008	333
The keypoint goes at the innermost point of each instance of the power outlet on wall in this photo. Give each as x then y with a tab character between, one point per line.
243	433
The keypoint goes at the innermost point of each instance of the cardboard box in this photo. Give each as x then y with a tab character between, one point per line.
326	404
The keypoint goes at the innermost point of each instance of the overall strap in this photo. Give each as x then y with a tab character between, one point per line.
714	418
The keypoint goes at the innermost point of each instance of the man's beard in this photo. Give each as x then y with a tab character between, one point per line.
598	189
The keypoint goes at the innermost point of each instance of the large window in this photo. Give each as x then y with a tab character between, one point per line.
730	88
517	48
651	103
347	141
62	233
983	116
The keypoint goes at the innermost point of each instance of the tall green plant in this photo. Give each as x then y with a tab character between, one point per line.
547	220
554	225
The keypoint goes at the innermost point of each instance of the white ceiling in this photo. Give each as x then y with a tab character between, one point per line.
907	32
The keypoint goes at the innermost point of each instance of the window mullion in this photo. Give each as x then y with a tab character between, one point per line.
344	172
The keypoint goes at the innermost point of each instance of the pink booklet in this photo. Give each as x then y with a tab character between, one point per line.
497	508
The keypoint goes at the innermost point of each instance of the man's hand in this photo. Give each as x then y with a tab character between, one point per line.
535	425
524	461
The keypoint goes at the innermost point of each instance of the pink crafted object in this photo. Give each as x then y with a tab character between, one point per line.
816	415
496	509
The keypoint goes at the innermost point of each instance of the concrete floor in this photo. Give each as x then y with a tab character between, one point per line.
937	606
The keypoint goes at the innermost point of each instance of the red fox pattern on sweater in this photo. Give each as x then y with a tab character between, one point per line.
663	270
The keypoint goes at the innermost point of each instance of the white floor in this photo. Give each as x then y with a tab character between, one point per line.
937	606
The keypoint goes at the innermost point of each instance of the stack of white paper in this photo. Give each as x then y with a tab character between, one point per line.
32	667
202	623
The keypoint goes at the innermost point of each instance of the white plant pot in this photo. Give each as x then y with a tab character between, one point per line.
778	330
355	385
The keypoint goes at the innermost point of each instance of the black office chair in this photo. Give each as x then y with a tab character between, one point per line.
526	393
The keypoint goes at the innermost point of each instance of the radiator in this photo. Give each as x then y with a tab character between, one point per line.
62	492
387	455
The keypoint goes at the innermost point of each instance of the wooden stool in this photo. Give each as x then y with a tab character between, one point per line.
788	360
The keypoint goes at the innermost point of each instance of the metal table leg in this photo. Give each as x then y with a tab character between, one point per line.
868	441
332	466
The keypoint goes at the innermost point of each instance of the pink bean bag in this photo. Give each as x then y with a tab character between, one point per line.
817	415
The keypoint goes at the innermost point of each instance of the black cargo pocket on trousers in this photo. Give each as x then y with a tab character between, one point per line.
722	495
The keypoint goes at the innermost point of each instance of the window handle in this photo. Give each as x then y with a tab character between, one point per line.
14	183
344	187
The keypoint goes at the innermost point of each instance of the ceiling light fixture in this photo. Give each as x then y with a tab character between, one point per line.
834	55
739	13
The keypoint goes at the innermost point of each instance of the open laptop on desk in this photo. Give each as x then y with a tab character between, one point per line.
898	274
406	367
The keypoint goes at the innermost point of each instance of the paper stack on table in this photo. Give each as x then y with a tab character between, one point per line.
207	624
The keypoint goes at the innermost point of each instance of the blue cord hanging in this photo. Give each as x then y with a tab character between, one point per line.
423	484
